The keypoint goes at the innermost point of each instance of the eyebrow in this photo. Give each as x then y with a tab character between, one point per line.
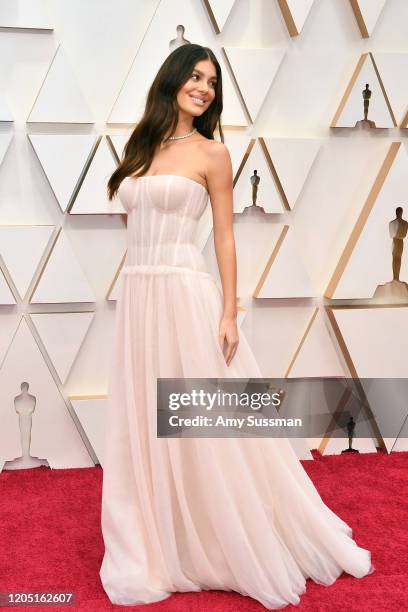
200	72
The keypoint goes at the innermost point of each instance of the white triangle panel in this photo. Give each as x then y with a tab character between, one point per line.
268	196
113	290
5	140
295	13
255	237
377	340
401	444
9	324
317	356
92	415
119	141
287	276
275	333
292	159
112	295
353	110
6	296
5	113
21	248
92	197
54	436
219	10
254	70
370	262
62	334
393	67
387	399
154	49
74	149
62	280
27	14
367	13
60	99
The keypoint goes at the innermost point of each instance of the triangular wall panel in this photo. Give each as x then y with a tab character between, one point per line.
367	13
112	293
351	108
60	99
275	333
5	113
292	159
366	261
6	296
62	280
27	14
254	71
54	436
401	444
118	142
155	47
74	149
5	140
375	341
268	195
218	11
295	13
62	334
285	275
9	325
92	197
393	67
316	355
91	412
21	248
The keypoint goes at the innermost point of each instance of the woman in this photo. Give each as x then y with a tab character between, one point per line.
190	514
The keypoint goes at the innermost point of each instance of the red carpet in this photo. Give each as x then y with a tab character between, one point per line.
50	537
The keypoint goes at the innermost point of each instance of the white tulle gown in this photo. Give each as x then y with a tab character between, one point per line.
190	514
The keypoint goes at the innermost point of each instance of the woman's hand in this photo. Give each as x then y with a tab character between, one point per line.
228	333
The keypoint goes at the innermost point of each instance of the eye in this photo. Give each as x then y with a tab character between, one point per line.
213	83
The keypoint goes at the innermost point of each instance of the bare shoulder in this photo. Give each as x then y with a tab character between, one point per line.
214	147
216	167
217	157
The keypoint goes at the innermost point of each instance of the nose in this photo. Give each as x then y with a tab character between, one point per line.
202	87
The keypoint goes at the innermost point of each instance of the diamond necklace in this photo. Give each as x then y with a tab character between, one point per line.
183	136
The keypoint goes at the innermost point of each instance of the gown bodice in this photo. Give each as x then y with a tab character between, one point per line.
163	214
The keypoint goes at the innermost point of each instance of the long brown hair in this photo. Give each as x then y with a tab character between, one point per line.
160	116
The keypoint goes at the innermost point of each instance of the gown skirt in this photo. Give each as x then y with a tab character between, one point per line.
191	514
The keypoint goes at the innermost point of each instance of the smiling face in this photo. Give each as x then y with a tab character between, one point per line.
195	96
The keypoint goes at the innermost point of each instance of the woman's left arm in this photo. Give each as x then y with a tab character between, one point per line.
219	180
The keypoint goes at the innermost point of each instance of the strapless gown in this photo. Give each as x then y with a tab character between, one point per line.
190	514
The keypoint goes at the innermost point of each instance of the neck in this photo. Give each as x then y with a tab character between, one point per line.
184	125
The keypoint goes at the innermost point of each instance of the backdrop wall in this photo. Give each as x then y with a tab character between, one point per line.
73	77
